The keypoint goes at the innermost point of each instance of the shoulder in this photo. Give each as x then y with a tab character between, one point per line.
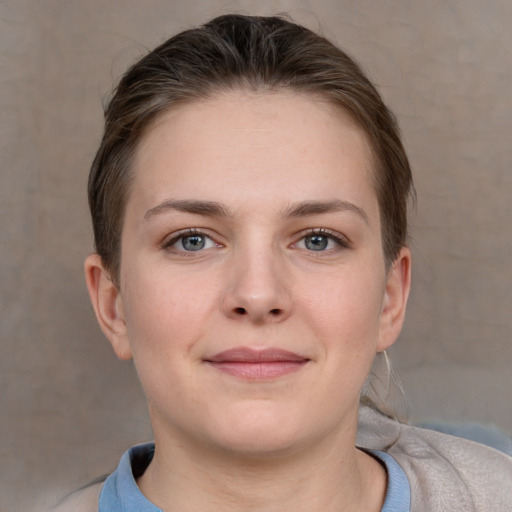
444	468
83	500
444	472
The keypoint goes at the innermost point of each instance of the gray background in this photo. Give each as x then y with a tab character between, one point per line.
68	407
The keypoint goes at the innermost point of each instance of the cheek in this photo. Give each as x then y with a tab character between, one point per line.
164	329
165	314
345	307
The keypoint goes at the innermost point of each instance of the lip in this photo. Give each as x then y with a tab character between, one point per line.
257	364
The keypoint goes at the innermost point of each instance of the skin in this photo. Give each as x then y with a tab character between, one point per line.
281	169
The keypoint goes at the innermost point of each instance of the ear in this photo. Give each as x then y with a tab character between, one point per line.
108	305
394	304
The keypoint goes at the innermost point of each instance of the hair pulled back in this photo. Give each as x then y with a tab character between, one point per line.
242	52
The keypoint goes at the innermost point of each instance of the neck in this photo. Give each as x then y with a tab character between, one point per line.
331	477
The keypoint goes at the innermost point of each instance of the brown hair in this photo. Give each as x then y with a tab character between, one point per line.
231	52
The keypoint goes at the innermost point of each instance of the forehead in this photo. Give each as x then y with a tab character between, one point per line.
244	144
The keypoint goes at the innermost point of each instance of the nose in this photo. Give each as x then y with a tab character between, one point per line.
257	289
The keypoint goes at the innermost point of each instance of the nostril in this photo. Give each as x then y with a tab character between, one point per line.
240	311
275	312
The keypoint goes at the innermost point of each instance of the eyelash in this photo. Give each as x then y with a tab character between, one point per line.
339	239
186	233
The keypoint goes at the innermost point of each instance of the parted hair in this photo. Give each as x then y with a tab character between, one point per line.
252	53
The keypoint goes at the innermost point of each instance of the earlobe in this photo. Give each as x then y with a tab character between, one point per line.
108	305
395	300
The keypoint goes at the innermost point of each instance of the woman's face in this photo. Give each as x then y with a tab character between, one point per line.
254	293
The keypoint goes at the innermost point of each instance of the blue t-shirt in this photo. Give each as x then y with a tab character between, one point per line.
120	492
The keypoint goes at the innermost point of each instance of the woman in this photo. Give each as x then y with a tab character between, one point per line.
249	205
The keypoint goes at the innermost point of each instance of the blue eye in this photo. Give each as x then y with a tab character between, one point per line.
193	242
316	242
322	240
190	242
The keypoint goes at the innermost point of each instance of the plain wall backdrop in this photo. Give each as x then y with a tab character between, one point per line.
68	407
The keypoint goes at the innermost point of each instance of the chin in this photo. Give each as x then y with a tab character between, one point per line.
260	434
260	448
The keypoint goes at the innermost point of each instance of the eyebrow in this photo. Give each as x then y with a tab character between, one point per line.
206	208
214	209
306	208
